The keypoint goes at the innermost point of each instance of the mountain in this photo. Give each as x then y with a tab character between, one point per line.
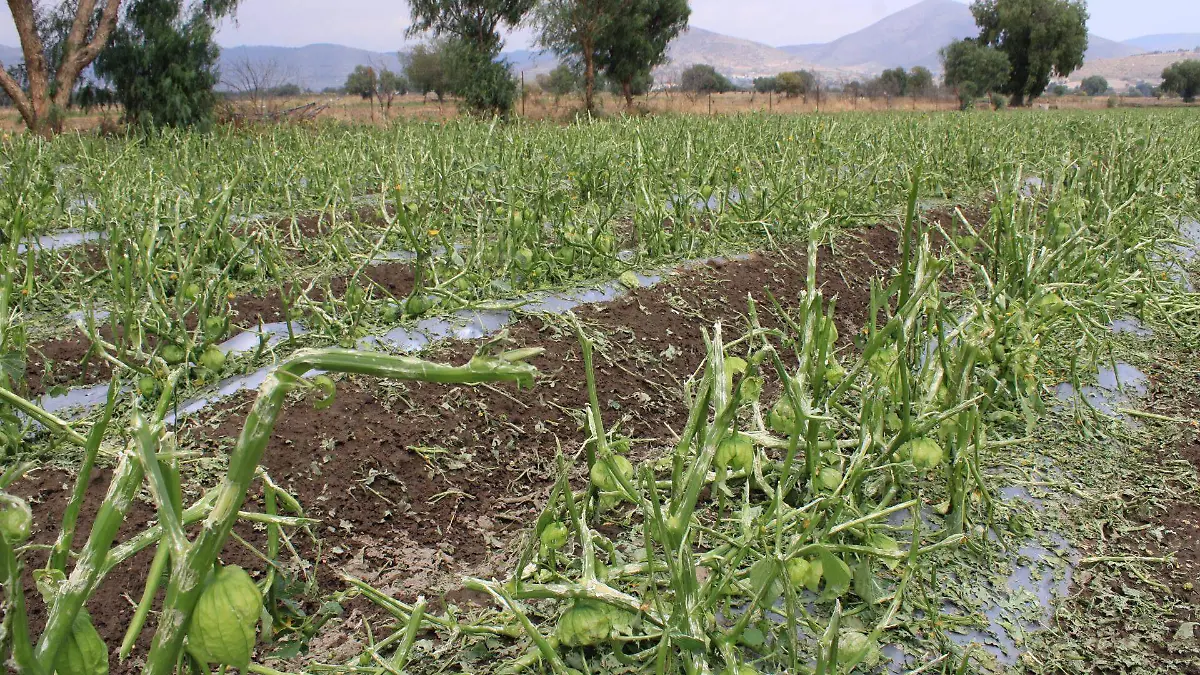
1102	48
10	55
910	37
913	36
314	66
1167	42
530	62
1131	70
734	57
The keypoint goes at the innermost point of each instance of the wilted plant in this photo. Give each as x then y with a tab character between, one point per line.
209	612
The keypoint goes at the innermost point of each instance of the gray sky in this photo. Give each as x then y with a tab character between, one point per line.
379	24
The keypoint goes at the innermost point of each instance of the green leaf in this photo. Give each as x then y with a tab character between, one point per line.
837	575
753	637
84	652
885	543
763	579
688	643
866	584
12	364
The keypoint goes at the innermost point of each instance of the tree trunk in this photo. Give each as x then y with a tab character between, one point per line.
37	107
627	90
1017	100
589	76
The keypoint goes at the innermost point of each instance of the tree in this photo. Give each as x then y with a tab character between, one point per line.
795	83
426	69
255	79
1040	38
162	62
481	79
639	86
472	55
893	82
288	90
1094	85
1145	89
703	79
562	81
920	81
477	22
572	29
973	69
1183	78
766	85
49	86
390	86
362	82
1059	90
635	40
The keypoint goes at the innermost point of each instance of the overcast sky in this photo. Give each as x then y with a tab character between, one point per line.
379	24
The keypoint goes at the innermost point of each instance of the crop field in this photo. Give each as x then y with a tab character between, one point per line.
873	393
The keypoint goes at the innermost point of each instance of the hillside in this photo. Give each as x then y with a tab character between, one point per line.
910	37
1167	42
314	66
735	57
10	55
1123	72
913	36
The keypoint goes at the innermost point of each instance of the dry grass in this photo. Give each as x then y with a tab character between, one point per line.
543	107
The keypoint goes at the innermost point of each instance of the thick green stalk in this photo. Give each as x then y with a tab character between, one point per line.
15	625
188	570
127	478
62	547
51	422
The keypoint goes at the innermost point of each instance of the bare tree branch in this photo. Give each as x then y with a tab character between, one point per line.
16	94
76	54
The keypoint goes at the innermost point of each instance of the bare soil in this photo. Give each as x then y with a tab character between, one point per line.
1167	525
417	484
66	361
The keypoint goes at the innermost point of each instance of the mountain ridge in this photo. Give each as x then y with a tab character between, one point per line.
914	35
1166	42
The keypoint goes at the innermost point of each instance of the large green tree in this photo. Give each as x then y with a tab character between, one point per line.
573	30
636	40
481	80
795	83
427	70
893	82
363	82
972	69
162	62
1040	37
920	81
1183	78
703	79
473	50
1094	85
478	22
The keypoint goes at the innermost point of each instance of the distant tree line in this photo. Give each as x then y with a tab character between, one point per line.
158	60
618	41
